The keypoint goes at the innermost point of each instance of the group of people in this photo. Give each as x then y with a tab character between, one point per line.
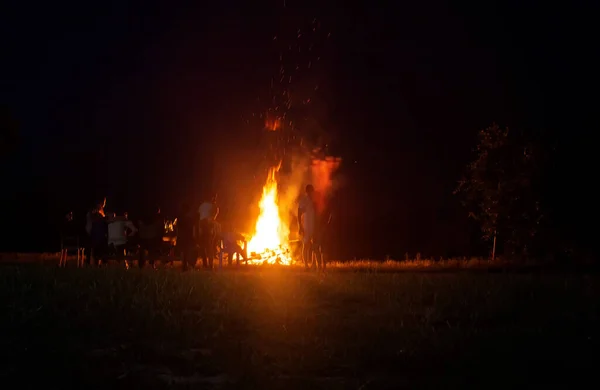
196	234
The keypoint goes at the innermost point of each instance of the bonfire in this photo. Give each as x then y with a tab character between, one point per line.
269	243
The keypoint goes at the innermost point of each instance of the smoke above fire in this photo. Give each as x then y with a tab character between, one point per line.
320	171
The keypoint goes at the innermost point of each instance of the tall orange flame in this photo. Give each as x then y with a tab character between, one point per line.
270	240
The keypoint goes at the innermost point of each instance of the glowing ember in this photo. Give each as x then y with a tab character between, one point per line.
273	124
270	241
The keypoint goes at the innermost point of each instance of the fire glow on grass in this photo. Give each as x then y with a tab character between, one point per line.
269	244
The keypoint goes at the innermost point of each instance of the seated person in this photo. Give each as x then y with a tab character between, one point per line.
231	245
69	237
132	238
208	213
68	230
187	231
119	230
151	230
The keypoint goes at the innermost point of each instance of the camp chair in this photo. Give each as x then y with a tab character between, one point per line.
70	244
222	248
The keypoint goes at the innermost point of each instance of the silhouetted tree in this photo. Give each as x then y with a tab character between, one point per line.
498	189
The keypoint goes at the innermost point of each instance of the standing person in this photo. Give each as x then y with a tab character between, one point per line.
97	209
208	213
151	229
187	231
96	212
307	227
93	218
99	238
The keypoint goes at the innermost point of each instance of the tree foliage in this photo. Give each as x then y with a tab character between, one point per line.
498	189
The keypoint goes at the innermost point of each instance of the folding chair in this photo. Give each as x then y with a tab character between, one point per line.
70	244
222	249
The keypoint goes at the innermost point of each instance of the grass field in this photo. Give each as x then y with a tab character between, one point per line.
408	264
279	328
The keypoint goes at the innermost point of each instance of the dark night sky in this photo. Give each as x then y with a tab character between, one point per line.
106	93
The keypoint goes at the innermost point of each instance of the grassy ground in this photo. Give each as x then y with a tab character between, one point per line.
418	264
285	329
